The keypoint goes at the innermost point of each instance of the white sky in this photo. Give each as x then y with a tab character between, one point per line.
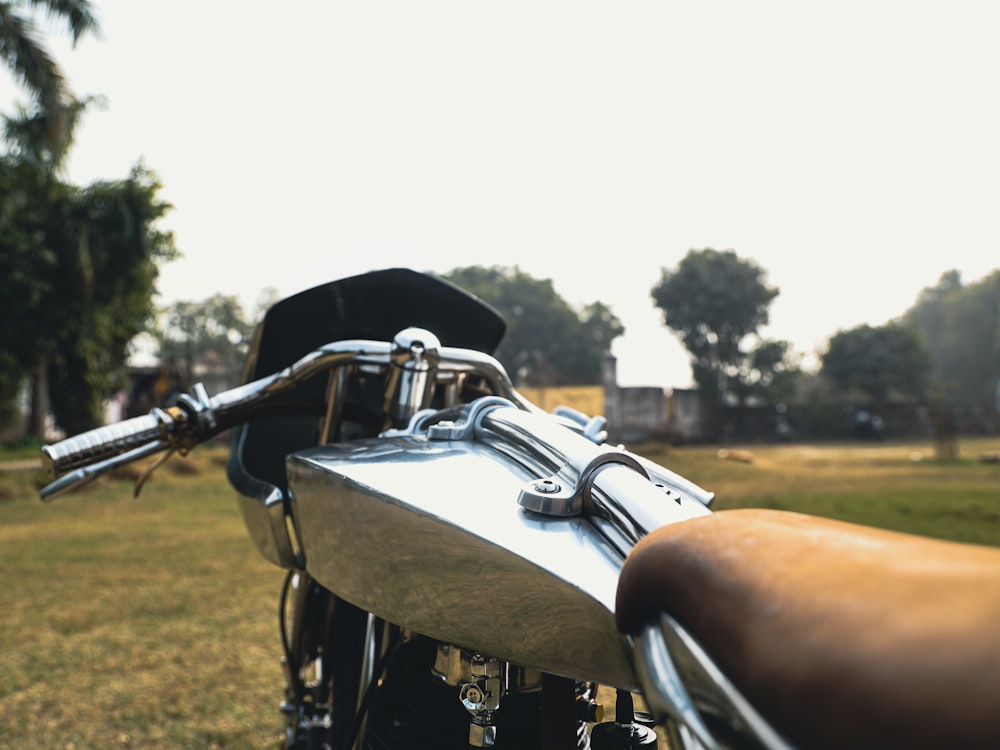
852	149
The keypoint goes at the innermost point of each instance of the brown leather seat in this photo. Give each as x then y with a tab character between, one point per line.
842	636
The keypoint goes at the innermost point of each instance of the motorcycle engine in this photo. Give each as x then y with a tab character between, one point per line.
439	696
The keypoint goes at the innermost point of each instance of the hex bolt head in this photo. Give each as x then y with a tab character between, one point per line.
472	697
547	486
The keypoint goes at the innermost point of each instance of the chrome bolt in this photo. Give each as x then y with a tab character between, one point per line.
547	486
472	697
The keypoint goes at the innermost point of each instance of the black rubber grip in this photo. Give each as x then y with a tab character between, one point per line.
104	442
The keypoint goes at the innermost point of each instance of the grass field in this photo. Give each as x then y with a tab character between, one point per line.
891	485
151	623
146	623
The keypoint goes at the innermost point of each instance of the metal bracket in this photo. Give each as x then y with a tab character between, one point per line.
465	429
568	492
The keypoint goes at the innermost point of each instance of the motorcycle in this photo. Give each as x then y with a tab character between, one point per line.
466	570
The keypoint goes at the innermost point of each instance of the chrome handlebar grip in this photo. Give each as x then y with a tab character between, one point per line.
108	441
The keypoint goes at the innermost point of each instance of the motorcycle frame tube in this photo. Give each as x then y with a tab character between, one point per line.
629	500
683	684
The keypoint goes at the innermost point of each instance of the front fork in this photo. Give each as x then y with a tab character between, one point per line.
323	638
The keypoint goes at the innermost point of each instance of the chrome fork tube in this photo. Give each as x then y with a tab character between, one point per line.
335	399
367	674
413	367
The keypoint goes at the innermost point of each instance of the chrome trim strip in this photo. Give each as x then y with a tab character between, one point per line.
677	675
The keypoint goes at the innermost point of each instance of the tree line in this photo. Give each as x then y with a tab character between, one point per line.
941	356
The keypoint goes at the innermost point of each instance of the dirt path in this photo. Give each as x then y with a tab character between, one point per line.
25	464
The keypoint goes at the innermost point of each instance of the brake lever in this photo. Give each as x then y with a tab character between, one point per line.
85	474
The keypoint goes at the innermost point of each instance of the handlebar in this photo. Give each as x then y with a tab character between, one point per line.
195	418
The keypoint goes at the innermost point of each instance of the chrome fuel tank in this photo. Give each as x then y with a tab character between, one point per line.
429	534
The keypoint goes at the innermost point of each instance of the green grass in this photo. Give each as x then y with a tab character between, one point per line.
136	623
890	485
151	623
24	448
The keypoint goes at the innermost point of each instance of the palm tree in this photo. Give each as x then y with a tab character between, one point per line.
24	54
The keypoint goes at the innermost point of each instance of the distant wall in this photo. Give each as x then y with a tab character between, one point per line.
634	414
588	399
686	415
638	414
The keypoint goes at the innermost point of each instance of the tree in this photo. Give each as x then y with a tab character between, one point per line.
716	301
960	325
218	327
27	58
769	374
878	364
547	341
77	269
